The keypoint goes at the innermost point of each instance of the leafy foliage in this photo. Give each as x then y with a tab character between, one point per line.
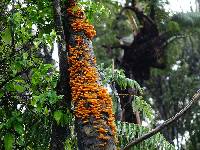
110	75
187	19
28	82
167	91
139	104
93	8
129	131
173	26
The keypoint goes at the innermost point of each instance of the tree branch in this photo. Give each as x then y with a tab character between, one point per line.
173	38
195	98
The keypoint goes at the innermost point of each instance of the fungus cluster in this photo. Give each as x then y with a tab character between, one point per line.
93	104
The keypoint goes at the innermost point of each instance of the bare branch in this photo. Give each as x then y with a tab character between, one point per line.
194	99
173	38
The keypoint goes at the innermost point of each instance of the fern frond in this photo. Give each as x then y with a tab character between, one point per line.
129	131
109	75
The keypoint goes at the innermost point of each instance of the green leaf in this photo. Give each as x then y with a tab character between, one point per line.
9	86
1	94
173	26
36	44
52	96
6	36
25	55
19	128
1	126
33	102
17	17
46	111
68	144
45	68
57	116
53	34
141	105
67	118
8	141
39	107
19	88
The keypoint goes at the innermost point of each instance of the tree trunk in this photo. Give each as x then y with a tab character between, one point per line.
94	119
145	52
60	133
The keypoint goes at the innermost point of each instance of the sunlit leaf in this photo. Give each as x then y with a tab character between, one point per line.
9	141
57	116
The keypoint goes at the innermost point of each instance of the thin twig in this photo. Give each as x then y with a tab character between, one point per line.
121	94
195	98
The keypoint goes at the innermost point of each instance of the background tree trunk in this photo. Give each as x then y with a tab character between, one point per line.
144	52
60	133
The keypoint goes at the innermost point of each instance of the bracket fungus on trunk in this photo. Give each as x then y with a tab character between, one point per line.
92	103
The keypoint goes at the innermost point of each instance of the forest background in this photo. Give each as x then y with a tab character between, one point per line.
147	57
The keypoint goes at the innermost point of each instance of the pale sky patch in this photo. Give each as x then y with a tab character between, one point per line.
180	6
55	55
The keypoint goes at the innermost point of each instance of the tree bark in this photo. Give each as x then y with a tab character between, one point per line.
94	120
60	133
